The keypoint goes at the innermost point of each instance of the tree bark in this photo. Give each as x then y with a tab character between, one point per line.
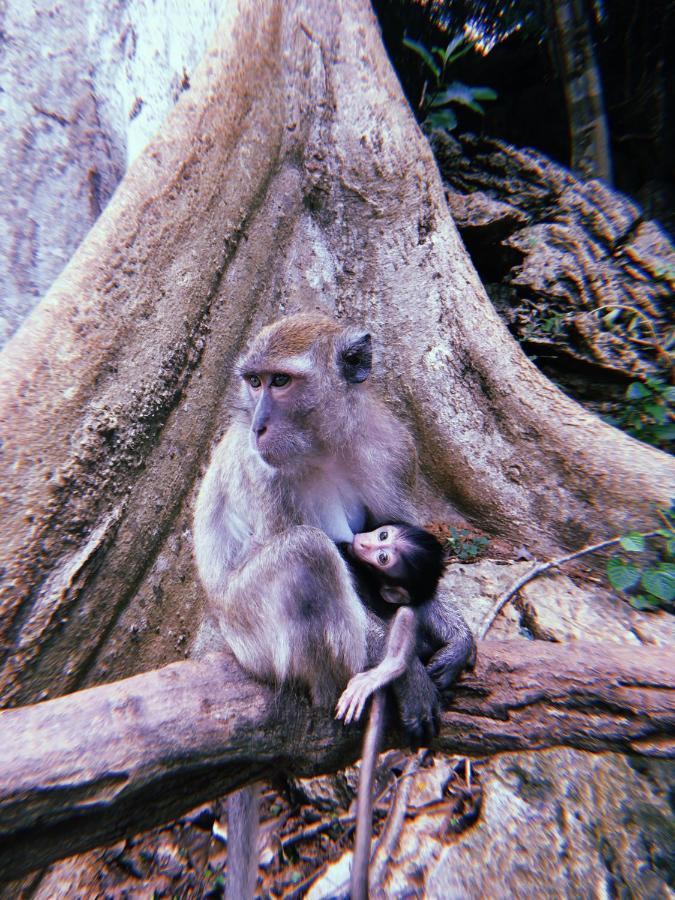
109	761
548	244
573	46
291	176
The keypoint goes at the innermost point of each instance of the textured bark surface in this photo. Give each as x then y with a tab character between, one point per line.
589	134
85	86
571	264
91	767
291	176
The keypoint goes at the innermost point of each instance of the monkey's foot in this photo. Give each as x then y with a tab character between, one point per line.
350	705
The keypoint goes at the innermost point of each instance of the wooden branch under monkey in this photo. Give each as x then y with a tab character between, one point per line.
110	761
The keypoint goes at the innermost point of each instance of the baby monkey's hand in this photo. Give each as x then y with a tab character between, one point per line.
350	705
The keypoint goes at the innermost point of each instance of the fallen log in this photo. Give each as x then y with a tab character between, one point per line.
88	768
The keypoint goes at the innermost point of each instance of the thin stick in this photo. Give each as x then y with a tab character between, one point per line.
393	826
538	569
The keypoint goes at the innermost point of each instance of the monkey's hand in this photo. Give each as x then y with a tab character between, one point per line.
418	706
449	662
350	705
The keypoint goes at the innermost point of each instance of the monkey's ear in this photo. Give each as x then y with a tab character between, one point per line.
356	358
395	594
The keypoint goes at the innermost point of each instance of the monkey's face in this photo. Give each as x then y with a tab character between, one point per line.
281	406
382	549
298	380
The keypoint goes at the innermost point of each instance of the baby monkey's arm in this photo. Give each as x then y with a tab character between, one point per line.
400	649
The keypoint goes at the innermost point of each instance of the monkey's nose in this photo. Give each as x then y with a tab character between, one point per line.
260	431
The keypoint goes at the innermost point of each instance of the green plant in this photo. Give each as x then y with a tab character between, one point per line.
647	583
648	412
463	546
437	96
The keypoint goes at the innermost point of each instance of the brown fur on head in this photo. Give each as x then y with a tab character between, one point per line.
294	335
315	337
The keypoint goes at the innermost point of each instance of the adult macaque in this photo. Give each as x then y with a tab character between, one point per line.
401	565
313	455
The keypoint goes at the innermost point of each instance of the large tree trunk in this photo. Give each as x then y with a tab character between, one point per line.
291	176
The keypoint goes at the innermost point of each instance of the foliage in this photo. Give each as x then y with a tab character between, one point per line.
434	105
465	547
647	582
649	412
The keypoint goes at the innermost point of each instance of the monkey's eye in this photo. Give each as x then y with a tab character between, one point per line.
254	381
383	558
383	535
280	380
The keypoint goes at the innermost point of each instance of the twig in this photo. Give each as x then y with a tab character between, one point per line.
345	819
538	569
392	829
307	834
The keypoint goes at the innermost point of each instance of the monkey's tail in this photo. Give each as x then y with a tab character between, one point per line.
364	799
243	819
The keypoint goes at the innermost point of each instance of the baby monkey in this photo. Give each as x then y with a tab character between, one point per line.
398	565
401	566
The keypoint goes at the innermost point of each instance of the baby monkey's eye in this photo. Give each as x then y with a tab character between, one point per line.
253	380
280	380
383	558
383	535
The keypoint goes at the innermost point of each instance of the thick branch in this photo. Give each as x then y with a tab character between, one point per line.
87	768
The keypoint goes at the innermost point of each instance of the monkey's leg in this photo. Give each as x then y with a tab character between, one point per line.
243	819
399	652
455	648
291	613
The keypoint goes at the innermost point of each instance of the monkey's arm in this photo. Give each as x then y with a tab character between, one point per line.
449	640
400	649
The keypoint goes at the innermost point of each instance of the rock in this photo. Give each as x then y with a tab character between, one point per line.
334	883
476	588
557	823
329	792
556	609
551	607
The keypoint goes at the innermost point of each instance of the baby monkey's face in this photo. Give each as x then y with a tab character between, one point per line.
382	549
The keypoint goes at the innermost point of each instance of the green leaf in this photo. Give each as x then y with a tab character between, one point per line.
455	44
443	119
460	52
634	542
669	394
457	93
424	55
658	413
660	582
622	575
665	432
641	602
484	93
637	391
